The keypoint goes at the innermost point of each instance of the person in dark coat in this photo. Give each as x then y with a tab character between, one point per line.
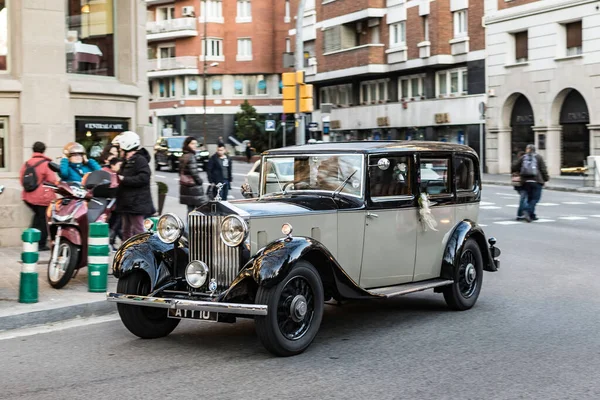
219	170
534	175
248	152
134	200
191	192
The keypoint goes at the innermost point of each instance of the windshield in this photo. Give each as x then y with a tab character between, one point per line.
175	143
317	172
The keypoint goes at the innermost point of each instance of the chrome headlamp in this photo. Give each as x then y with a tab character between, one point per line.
233	230
196	273
169	228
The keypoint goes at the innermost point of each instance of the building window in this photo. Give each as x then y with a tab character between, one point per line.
340	95
286	17
374	92
261	85
90	37
215	87
574	39
244	13
426	28
411	88
244	52
460	23
166	52
166	88
213	12
193	85
165	13
3	142
3	41
249	85
521	47
374	33
452	82
288	45
398	34
213	49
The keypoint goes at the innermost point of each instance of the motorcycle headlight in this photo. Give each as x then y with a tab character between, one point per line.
169	228
233	230
196	273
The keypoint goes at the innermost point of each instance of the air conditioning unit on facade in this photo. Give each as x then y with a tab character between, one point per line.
188	11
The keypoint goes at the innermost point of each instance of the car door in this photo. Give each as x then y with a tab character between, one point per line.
435	179
253	177
391	222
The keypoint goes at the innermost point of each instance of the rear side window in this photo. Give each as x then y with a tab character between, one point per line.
434	176
391	183
465	174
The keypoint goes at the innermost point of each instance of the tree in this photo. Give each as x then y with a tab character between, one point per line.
250	125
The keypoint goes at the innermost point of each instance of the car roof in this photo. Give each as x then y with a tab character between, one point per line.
376	146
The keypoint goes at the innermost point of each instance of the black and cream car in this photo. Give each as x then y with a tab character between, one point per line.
363	220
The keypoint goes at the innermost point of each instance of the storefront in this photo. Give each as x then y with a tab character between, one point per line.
94	133
575	140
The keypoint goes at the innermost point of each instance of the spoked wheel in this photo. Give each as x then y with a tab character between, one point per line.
61	267
468	277
295	311
145	322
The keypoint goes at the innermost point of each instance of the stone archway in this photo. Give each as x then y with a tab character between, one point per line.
521	124
574	119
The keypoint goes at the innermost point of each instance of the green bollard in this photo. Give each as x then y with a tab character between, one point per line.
28	286
98	251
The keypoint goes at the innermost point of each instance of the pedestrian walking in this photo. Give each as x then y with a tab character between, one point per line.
115	221
37	197
219	170
534	174
518	185
75	163
191	192
248	152
134	200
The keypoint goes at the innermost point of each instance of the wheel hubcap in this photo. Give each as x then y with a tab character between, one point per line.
295	309
467	274
298	308
470	274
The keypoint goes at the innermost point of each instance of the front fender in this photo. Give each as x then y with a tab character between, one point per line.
274	262
146	252
462	232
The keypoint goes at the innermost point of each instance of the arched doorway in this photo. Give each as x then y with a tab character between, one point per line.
521	123
574	118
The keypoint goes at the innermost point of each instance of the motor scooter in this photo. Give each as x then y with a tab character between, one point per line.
92	200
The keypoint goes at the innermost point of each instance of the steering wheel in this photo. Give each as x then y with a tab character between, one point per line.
294	183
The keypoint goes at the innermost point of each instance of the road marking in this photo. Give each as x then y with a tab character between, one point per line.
482	225
542	220
159	176
513	205
486	203
508	194
59	326
508	222
547	204
573	203
595	216
595	202
572	218
489	208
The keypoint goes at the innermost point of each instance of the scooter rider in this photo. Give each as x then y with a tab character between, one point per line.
75	164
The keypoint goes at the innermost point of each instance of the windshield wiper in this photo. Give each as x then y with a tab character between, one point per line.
341	187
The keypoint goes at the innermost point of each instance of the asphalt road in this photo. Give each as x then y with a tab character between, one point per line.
532	335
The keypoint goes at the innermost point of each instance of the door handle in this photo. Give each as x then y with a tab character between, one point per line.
372	215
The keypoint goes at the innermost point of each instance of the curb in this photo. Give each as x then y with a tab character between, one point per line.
550	187
53	315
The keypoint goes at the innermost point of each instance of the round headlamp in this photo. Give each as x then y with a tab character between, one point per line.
169	228
233	230
196	273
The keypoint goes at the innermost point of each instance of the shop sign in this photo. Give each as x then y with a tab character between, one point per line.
442	118
523	120
102	126
335	124
383	121
580	116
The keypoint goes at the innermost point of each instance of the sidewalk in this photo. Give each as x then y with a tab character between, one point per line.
563	184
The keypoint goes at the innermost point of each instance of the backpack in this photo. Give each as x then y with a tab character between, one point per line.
529	165
30	179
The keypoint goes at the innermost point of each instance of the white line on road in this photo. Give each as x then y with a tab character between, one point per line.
595	216
547	204
508	194
482	225
595	202
159	176
508	222
542	220
489	208
573	203
513	205
59	326
486	203
572	218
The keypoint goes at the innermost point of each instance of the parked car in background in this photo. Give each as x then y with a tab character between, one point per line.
343	221
168	151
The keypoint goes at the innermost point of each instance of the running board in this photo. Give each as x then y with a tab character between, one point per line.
399	290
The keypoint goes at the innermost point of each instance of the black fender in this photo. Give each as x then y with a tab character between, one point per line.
273	263
146	252
462	232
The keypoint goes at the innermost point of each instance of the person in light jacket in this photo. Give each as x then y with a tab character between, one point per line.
191	192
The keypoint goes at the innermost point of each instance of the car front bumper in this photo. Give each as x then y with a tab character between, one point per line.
193	305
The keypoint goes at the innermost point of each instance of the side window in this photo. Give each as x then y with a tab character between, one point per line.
391	183
465	174
434	176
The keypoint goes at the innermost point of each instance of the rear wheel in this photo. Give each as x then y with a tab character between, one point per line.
145	322
295	311
61	268
468	277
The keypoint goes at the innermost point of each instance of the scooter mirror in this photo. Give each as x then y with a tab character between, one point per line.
54	166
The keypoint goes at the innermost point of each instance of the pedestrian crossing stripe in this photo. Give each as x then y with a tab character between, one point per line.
573	203
507	222
489	208
486	203
548	204
513	205
542	220
595	216
572	218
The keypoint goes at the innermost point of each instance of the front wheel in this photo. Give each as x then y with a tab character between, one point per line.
295	311
468	277
62	263
145	322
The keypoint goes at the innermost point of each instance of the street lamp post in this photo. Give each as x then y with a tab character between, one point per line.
204	70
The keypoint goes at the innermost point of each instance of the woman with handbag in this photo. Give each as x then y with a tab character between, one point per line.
191	192
518	185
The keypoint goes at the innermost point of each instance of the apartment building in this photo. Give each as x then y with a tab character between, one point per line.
238	45
544	79
397	69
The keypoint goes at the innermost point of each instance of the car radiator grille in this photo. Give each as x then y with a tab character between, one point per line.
206	245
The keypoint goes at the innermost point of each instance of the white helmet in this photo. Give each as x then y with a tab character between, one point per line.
129	141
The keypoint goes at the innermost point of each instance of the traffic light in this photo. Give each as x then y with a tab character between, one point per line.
290	80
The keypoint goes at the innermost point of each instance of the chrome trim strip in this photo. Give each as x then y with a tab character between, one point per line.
180	304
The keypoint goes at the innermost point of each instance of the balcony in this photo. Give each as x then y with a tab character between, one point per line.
353	57
171	29
186	65
158	2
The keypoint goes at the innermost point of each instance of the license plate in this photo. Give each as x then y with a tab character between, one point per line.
193	314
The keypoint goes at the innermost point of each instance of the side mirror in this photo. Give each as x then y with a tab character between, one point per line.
247	191
54	166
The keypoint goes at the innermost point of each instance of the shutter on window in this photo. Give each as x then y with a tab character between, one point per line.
521	45
332	39
574	34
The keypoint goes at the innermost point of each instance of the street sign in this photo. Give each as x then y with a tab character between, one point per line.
270	125
313	126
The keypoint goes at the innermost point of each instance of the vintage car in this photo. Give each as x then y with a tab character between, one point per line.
353	220
168	151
